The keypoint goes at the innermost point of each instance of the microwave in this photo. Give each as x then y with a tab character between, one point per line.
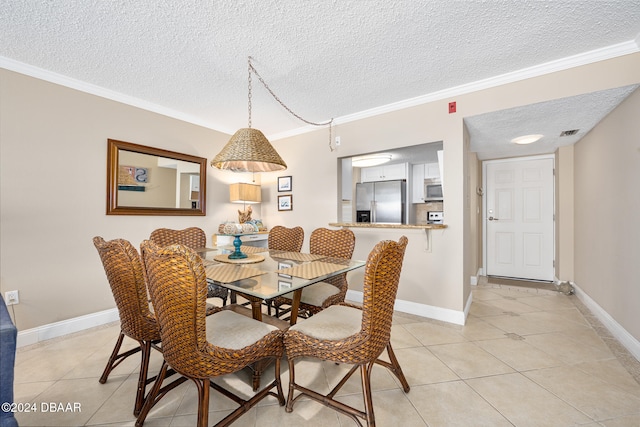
433	190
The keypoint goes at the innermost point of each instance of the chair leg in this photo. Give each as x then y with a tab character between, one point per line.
115	359
279	393
142	377
365	371
152	396
203	401
396	369
292	382
268	303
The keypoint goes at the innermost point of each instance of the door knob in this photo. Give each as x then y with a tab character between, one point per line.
492	218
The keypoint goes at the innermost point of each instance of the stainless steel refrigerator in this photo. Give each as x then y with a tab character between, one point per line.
381	201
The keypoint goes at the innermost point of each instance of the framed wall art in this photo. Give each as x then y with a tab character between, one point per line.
284	183
285	203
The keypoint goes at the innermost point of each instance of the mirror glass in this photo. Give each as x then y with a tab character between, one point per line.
145	180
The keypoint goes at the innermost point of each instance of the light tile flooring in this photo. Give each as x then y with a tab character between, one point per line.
526	357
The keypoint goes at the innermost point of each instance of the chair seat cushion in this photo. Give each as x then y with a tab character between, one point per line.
316	294
234	331
333	323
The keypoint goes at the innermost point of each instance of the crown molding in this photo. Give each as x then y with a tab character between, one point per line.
51	77
609	52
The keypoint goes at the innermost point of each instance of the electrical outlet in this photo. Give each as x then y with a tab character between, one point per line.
12	297
337	141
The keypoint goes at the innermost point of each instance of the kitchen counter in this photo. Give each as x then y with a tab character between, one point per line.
375	225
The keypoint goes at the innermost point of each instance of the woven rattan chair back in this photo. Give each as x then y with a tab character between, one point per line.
286	239
192	237
381	279
125	274
124	270
178	288
336	244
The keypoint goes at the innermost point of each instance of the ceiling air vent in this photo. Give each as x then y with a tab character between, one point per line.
569	132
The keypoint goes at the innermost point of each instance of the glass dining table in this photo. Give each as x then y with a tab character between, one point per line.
265	274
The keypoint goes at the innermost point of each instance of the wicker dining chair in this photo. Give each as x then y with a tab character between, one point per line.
345	333
194	238
123	267
331	243
284	239
200	347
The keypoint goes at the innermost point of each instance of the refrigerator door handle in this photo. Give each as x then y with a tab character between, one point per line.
373	211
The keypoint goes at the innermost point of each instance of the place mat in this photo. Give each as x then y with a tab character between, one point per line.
247	249
250	259
208	262
311	270
296	256
230	273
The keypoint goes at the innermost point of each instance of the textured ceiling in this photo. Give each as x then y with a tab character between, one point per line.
492	132
324	59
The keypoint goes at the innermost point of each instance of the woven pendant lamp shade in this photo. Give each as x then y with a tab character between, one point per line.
249	150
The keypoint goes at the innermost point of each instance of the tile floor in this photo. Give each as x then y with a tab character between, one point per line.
526	357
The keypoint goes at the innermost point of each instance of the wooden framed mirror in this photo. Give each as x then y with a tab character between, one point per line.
145	180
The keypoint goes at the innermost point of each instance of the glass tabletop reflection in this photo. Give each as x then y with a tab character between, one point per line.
266	274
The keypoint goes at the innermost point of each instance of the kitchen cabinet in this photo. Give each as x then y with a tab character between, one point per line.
419	173
417	183
384	173
431	170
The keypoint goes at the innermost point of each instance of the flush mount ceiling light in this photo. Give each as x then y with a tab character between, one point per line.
526	139
249	150
372	160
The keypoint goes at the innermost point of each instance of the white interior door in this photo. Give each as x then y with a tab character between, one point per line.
519	218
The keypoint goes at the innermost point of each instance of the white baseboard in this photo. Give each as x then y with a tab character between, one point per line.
423	310
64	327
474	279
626	339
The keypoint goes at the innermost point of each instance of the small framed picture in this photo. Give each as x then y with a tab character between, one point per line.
284	183
285	203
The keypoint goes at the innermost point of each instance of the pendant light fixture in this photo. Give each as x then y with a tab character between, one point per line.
249	150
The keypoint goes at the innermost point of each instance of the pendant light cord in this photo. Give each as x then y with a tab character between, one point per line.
254	71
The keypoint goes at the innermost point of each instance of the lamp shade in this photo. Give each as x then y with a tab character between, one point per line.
244	193
249	150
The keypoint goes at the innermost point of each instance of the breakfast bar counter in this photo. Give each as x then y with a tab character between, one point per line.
381	225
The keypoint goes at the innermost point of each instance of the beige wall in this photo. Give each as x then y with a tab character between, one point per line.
46	249
564	214
607	201
53	146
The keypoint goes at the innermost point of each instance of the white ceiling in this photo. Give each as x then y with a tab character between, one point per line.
340	59
491	133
